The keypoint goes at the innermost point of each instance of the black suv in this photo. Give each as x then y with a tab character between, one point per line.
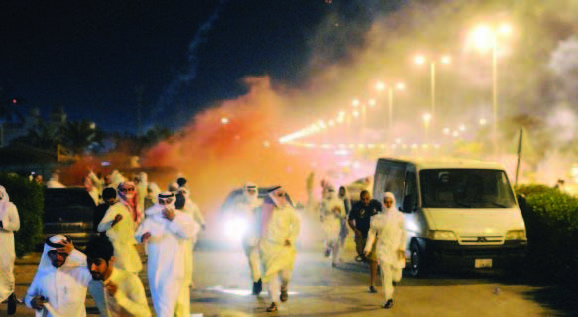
68	211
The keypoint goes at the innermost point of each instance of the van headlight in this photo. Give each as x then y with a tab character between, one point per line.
441	235
235	228
516	235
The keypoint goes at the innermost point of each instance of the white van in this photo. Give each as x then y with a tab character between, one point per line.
457	212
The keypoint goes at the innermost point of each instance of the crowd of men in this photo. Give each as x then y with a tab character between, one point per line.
167	224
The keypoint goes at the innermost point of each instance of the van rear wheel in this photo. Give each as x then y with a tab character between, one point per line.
418	264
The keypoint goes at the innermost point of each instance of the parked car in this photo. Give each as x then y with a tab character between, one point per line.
68	211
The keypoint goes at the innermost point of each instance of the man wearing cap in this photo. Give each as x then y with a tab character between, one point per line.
119	223
166	232
9	223
245	206
60	284
116	292
280	225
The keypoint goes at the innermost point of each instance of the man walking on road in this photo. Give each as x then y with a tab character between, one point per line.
60	284
280	226
167	232
388	228
359	221
245	205
119	224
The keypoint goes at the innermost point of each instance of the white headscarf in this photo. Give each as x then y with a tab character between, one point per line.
4	203
158	208
53	243
251	198
392	197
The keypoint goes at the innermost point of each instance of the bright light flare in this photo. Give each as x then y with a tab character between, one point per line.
446	59
380	86
355	102
400	86
426	117
419	60
372	102
483	37
235	228
224	120
483	121
355	114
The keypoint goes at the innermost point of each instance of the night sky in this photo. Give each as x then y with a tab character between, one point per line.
89	56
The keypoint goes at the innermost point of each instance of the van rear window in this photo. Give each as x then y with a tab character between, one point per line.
465	188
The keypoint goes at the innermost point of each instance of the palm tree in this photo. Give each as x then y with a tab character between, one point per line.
79	136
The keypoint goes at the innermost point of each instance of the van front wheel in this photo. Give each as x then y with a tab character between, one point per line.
418	265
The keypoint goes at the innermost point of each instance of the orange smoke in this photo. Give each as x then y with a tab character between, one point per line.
216	158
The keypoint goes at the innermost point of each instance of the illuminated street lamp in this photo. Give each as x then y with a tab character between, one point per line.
381	86
483	121
485	38
224	120
426	117
444	60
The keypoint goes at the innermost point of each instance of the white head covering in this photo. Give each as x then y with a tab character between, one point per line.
273	192
392	197
54	243
4	202
158	208
250	197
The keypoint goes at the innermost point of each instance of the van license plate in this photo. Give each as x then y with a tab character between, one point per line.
483	263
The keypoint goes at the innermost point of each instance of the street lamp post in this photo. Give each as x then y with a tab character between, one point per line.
380	86
420	60
484	38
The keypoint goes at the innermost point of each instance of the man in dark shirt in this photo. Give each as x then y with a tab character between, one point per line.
359	221
109	197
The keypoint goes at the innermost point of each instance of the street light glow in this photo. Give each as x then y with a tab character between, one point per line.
372	102
400	86
224	120
426	117
482	37
419	60
380	85
483	121
505	29
355	113
446	59
355	102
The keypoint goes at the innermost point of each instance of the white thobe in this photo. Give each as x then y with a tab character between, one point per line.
10	223
246	209
332	214
190	209
64	287
129	300
166	260
277	258
389	229
122	237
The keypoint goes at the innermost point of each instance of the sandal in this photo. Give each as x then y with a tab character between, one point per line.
272	308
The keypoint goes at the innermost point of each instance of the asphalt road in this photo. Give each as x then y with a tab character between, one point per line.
223	289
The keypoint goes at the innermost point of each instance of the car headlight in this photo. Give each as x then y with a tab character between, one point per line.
516	235
441	235
235	228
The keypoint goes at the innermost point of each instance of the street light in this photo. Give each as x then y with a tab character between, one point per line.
381	86
421	60
224	120
484	38
426	117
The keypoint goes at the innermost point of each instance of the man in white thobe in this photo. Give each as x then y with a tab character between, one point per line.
166	232
119	223
388	228
245	206
60	284
117	293
9	223
332	215
280	225
181	200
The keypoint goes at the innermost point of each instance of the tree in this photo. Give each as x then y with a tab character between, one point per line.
79	136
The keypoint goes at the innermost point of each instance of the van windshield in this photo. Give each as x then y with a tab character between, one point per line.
465	188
